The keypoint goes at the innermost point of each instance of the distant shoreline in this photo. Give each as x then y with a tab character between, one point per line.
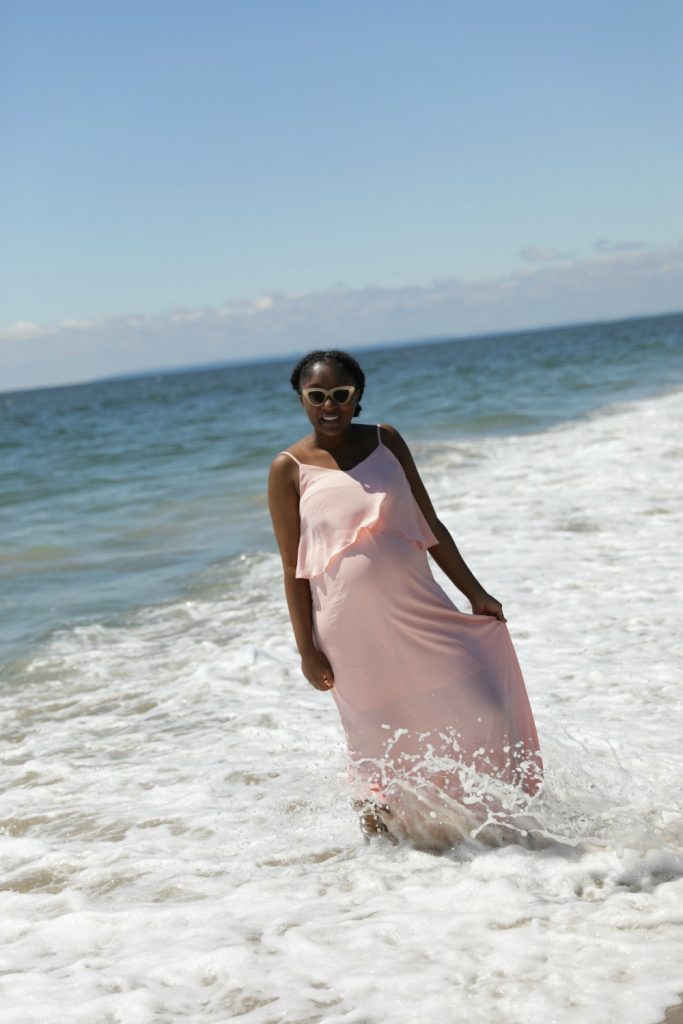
286	357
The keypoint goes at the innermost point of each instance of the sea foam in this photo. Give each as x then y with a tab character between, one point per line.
177	836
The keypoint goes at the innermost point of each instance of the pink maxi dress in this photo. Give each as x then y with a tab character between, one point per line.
439	729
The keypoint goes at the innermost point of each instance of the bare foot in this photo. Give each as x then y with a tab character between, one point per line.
370	821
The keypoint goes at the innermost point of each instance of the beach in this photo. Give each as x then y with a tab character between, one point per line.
177	836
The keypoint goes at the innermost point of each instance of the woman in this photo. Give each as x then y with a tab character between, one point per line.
436	715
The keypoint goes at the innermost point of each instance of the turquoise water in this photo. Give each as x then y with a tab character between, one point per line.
124	493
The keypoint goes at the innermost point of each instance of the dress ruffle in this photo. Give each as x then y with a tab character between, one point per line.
336	508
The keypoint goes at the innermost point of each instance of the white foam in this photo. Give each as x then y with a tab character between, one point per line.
178	842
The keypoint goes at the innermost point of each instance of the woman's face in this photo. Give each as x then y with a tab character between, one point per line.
331	418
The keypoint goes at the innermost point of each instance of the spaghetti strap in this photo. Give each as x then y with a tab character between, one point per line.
293	457
379	435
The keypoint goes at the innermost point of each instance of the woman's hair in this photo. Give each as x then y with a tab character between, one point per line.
342	359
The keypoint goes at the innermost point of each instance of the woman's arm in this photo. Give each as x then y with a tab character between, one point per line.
283	502
445	552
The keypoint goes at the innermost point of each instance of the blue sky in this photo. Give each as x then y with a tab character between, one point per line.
225	163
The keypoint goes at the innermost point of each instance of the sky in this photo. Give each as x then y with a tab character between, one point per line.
213	179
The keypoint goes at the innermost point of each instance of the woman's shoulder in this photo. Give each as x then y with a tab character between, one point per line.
391	437
387	430
286	463
295	452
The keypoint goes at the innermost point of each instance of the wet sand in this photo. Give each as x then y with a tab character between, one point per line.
674	1015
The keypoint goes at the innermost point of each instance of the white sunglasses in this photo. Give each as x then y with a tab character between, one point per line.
340	395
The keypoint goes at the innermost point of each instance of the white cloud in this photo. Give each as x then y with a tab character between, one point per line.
77	325
24	329
617	282
543	254
605	245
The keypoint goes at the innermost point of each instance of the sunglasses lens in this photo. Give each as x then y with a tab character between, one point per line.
342	395
316	397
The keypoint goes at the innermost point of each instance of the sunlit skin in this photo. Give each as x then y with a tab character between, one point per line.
337	442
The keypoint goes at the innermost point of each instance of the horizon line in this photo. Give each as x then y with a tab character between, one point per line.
374	346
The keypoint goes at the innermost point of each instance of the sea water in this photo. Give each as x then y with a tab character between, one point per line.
176	834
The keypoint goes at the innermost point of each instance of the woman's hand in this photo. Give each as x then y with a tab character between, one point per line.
485	604
317	669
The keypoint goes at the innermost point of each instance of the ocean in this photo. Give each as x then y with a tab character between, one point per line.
176	834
